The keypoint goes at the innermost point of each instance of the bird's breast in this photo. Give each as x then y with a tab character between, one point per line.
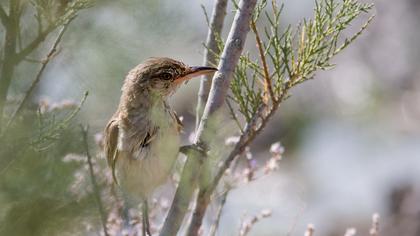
142	168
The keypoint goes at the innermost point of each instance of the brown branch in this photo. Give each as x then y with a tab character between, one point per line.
217	95
268	90
34	83
210	53
96	189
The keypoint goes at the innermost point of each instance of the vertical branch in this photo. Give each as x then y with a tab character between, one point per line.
96	189
3	16
9	55
217	95
210	53
229	58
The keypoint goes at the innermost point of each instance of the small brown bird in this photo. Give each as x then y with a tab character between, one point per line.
142	138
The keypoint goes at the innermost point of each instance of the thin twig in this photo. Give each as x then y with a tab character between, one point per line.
233	114
35	42
205	14
211	52
215	225
38	77
267	82
247	226
95	185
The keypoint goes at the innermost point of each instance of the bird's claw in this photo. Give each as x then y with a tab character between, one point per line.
186	149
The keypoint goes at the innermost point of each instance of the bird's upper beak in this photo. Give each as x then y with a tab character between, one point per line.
195	71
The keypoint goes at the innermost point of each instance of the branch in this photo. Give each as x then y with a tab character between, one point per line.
45	62
220	85
267	82
95	185
229	59
4	17
247	226
183	195
34	44
215	225
210	53
217	96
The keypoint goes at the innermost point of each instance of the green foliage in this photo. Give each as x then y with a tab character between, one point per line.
292	55
51	125
56	13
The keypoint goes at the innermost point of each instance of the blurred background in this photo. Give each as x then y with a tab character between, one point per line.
351	135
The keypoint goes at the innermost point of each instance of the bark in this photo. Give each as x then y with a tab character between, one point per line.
229	59
219	88
210	53
11	25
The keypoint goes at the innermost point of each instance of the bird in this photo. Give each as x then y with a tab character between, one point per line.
142	138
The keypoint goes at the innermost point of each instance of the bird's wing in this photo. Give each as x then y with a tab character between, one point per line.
111	143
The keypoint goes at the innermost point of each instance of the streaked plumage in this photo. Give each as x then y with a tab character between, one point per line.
142	138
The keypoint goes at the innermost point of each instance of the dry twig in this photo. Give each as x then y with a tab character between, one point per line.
96	189
246	226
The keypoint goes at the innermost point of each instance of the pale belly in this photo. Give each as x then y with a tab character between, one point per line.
142	172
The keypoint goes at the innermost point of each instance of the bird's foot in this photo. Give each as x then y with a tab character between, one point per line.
196	148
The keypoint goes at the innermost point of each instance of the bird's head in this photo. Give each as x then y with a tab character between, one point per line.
162	76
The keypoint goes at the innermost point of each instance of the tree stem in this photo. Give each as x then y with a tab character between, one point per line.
210	54
217	95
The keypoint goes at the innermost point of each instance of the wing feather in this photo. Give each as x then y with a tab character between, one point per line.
111	144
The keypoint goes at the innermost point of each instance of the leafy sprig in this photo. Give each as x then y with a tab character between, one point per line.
292	55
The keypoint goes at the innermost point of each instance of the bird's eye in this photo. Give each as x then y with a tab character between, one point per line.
166	76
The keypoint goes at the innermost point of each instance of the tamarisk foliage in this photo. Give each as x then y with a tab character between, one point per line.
287	56
291	56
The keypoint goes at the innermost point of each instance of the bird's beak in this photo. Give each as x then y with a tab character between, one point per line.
195	71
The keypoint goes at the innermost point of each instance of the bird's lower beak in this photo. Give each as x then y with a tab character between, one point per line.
195	71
